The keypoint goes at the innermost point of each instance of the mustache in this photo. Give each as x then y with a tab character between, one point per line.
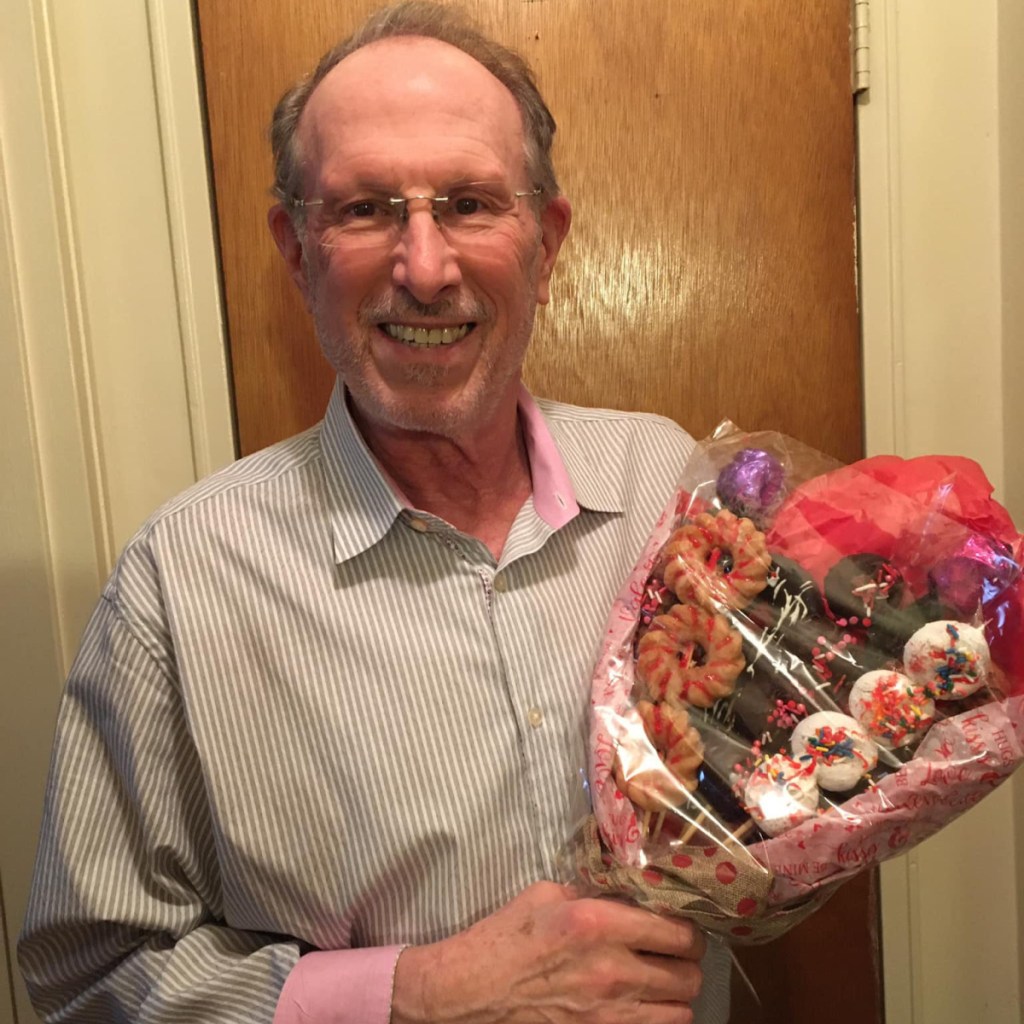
399	307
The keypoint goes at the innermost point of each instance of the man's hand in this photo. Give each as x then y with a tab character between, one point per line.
552	958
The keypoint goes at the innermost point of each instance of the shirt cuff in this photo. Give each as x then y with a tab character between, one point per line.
344	986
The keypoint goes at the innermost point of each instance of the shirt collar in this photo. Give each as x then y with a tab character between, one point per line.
554	499
593	470
365	504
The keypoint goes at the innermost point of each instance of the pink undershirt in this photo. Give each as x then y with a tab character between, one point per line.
354	986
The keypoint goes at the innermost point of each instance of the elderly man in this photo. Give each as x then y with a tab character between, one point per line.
324	737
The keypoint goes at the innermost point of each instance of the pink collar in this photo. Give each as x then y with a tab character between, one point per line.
553	497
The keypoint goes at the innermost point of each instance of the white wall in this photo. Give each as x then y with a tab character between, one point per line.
943	256
113	391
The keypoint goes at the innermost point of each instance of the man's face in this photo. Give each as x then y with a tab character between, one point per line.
429	330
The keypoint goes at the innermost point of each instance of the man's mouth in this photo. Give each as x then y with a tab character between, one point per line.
426	337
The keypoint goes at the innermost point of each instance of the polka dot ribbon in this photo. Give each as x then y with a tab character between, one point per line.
721	889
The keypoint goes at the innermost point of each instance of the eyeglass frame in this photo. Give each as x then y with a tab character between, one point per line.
436	202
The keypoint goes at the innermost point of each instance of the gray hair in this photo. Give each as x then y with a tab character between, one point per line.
433	21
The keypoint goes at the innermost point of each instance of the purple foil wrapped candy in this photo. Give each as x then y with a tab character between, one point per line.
979	570
752	485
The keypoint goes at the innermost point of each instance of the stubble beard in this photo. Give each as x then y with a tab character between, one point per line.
419	410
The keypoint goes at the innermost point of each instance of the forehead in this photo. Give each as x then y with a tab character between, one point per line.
408	110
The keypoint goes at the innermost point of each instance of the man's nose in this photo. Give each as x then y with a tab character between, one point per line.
425	263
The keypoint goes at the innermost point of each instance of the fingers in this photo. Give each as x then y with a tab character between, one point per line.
669	937
628	955
641	930
666	1013
638	989
632	926
668	979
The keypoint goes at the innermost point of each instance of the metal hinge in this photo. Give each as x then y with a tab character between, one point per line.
860	46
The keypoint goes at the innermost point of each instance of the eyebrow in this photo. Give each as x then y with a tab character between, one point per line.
374	186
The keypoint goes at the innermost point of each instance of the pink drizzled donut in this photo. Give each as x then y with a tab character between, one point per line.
689	656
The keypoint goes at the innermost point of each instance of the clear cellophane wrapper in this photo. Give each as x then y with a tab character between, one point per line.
711	800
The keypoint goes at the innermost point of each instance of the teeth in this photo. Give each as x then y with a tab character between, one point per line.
423	337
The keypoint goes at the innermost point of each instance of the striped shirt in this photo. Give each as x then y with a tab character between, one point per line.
306	717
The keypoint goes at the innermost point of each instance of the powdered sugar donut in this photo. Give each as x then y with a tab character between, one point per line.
892	708
838	745
781	793
949	659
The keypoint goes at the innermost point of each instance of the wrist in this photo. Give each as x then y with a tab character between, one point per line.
412	1000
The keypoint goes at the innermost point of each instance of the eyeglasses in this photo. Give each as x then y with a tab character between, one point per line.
468	213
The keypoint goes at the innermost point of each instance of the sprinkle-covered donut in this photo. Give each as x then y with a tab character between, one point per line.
655	784
780	793
838	745
716	560
689	656
949	659
893	709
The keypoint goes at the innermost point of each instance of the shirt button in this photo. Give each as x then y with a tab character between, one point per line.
500	584
418	525
535	716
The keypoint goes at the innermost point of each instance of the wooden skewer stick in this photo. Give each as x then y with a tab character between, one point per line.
657	826
694	826
742	830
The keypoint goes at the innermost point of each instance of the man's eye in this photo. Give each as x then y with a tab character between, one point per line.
365	208
466	206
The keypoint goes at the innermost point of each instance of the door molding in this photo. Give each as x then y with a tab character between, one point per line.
115	384
191	220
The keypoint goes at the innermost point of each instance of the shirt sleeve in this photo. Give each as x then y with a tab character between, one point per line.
350	986
126	919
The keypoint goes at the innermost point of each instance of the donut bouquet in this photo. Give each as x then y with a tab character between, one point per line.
812	668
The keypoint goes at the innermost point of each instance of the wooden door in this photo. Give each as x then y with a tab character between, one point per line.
708	150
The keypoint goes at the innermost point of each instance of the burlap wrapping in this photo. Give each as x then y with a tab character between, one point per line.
721	888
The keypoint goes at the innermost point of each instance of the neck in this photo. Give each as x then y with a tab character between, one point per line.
478	483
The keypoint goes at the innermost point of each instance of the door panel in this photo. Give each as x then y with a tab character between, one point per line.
708	150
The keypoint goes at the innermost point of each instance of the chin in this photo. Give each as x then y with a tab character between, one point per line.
424	413
426	398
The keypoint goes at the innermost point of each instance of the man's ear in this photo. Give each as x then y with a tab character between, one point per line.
290	246
555	219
